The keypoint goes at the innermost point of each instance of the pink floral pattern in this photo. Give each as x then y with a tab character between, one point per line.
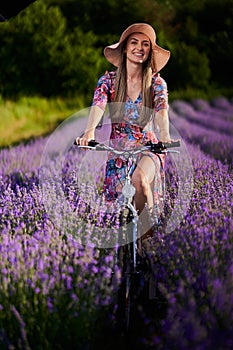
128	134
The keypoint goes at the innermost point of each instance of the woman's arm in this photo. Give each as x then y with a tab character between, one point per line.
94	118
161	118
162	121
97	109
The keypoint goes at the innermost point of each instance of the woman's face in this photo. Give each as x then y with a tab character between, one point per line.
137	48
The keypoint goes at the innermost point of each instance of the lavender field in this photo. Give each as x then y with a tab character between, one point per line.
58	293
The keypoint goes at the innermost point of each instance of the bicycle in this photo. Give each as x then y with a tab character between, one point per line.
128	254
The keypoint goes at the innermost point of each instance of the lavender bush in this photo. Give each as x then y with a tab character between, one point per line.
57	292
211	118
213	137
54	289
194	266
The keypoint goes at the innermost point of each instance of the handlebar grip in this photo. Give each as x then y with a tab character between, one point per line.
162	146
172	144
91	143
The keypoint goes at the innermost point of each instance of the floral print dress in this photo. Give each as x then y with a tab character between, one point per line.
127	133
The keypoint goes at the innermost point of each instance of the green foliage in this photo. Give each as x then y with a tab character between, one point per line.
55	47
192	67
208	26
27	44
80	62
47	59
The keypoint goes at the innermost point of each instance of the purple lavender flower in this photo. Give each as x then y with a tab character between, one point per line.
51	278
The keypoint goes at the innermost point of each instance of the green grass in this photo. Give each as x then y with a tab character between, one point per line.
31	117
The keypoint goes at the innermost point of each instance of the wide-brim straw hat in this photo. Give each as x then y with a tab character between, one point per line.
160	56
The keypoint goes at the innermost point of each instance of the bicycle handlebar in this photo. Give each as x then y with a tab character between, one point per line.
159	147
162	146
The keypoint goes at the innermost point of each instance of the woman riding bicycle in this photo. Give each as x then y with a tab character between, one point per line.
138	100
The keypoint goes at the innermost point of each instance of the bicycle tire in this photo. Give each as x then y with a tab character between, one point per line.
124	263
123	293
131	292
131	283
127	295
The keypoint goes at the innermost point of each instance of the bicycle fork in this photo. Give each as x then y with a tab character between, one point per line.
128	192
134	237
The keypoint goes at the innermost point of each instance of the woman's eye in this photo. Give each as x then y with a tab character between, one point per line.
134	42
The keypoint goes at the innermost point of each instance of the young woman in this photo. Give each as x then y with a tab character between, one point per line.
138	100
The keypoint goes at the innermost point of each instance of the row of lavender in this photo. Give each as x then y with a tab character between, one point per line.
208	125
195	268
55	291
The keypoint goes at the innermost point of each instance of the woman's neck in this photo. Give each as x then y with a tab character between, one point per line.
134	72
134	82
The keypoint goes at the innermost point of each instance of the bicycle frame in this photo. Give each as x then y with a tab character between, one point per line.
128	191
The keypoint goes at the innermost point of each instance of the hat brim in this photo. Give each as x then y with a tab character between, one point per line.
160	56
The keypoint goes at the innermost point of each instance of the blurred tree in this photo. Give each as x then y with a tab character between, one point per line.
191	68
80	63
27	43
39	56
207	25
56	46
217	40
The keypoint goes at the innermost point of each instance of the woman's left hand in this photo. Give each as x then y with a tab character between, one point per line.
165	137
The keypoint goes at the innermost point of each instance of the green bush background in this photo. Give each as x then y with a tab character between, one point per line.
53	51
55	47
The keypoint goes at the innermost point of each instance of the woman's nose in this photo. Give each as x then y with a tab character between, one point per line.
140	46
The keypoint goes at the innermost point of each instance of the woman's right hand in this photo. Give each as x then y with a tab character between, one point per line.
85	138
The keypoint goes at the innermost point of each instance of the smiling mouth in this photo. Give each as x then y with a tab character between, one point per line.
139	55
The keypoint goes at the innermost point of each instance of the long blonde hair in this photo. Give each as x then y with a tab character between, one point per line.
121	86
